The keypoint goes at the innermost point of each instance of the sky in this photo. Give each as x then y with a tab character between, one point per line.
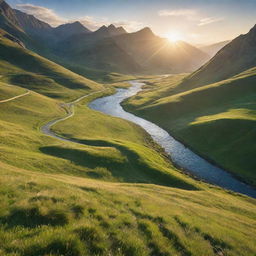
199	22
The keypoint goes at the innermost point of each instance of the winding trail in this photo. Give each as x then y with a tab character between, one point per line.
181	155
14	98
46	129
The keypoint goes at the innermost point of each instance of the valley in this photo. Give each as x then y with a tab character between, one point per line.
116	140
79	191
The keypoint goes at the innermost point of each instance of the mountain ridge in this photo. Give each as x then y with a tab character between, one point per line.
212	49
73	44
237	56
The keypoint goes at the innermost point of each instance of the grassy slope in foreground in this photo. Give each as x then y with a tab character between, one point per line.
217	121
47	208
106	157
44	214
24	68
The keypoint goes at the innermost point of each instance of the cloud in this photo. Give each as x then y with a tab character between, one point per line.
209	20
42	13
190	14
178	12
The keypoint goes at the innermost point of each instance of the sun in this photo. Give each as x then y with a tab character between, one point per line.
174	36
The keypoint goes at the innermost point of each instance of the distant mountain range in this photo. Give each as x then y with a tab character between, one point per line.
113	49
212	49
109	48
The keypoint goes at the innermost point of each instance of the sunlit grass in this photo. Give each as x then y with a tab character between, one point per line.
216	120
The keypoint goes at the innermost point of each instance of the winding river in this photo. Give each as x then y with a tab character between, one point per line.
180	155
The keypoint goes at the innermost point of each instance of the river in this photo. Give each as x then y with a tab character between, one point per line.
180	155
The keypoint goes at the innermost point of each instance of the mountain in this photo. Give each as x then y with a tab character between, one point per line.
138	52
31	24
110	48
158	55
42	31
26	28
92	52
109	31
9	21
8	13
212	49
70	29
236	57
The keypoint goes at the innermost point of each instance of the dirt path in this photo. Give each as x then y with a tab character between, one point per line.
46	129
16	97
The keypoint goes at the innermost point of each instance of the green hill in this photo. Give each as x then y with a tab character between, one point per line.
217	120
22	67
59	215
61	198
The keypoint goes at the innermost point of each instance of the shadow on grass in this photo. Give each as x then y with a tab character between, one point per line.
59	246
32	217
131	170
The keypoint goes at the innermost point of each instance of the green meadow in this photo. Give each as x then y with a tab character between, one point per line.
115	193
217	120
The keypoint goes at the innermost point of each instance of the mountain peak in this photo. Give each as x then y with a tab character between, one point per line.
253	29
76	24
70	29
8	13
73	28
146	29
110	30
111	26
146	32
30	23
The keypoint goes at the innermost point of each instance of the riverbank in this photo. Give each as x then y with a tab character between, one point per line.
217	121
180	154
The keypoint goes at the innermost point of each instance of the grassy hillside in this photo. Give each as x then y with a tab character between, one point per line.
108	156
131	155
24	68
7	91
60	198
217	121
56	215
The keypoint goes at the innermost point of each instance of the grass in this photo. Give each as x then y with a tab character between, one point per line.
61	198
114	150
24	68
217	120
50	214
7	91
131	155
